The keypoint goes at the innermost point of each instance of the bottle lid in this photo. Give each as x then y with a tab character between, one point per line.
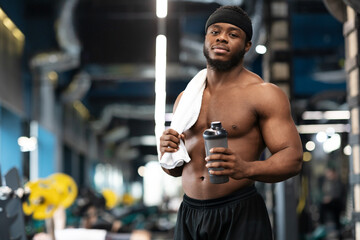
216	125
216	131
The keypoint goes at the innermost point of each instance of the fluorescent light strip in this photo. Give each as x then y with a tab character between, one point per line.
161	8
315	128
328	115
34	155
160	85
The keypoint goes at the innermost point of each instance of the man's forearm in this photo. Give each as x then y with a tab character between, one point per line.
277	168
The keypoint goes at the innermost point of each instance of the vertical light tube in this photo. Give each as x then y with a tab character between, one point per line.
160	86
160	71
161	8
34	155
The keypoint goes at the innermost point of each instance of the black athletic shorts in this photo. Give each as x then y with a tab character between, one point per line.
239	216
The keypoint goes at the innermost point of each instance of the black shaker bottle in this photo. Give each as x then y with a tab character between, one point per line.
216	136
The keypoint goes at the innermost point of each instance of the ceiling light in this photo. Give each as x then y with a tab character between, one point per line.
8	23
27	144
260	49
321	137
161	8
160	85
347	150
328	115
332	144
2	14
310	146
141	171
315	128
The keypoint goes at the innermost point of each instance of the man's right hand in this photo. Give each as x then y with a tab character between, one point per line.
170	140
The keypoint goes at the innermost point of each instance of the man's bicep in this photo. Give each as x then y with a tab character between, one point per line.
278	128
279	134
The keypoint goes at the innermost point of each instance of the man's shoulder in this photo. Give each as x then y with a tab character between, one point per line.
265	94
269	97
253	80
265	88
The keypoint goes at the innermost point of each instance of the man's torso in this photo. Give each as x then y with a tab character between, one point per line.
236	107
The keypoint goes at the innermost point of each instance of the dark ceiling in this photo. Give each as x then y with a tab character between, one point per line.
118	48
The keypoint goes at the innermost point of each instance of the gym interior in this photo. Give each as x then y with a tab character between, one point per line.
86	84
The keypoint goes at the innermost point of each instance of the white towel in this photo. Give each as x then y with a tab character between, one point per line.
185	116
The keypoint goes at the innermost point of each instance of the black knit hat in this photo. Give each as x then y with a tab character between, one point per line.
233	15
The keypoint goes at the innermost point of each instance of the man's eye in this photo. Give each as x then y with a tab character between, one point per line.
214	32
233	35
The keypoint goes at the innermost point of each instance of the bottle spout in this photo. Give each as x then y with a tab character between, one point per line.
216	125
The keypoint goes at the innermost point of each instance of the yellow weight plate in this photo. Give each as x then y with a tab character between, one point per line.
111	198
127	199
42	201
66	188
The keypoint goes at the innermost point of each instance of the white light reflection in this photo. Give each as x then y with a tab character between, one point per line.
310	146
158	185
347	150
108	176
321	137
333	143
141	171
27	144
330	131
260	49
152	184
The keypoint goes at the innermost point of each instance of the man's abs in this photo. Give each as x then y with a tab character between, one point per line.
197	185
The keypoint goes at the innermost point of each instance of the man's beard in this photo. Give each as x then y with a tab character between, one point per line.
223	66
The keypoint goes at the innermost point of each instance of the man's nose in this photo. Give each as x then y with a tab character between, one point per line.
221	38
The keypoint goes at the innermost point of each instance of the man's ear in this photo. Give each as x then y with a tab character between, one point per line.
248	46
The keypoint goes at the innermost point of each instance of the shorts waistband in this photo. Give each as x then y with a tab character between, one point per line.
240	194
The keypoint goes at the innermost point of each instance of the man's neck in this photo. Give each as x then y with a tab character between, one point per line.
219	78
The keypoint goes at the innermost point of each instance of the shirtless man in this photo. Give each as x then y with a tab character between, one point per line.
256	115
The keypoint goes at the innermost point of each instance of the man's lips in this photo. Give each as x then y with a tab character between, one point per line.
220	49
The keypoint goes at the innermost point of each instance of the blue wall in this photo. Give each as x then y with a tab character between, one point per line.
46	148
10	131
10	154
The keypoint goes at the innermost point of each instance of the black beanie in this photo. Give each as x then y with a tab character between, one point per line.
229	15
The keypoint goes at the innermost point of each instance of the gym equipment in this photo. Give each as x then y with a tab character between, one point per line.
66	187
11	216
128	199
111	199
42	201
46	195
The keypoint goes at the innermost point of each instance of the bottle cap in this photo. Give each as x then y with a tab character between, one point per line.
216	131
216	125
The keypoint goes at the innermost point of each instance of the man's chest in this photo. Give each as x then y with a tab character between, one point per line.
236	113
